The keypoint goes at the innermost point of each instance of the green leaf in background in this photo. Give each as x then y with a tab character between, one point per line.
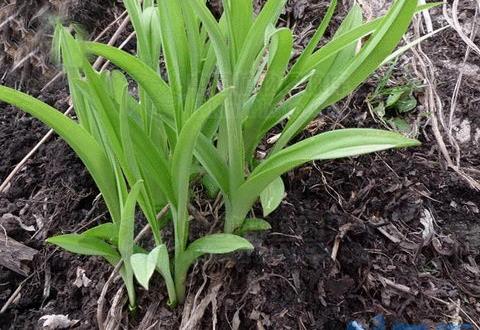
272	196
253	225
406	104
400	125
210	186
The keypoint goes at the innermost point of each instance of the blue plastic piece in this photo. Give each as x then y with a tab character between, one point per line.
379	323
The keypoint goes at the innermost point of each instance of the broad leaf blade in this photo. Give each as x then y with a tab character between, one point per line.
218	244
272	196
143	266
330	145
106	232
253	225
77	243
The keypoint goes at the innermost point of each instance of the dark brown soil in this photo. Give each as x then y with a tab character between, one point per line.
373	208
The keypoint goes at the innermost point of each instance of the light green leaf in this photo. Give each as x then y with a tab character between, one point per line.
394	96
272	196
182	162
125	238
400	125
330	145
106	232
144	265
380	45
163	267
215	244
210	186
80	244
253	225
154	85
280	52
406	104
127	223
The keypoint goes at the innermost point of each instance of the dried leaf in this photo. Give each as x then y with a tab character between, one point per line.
53	321
82	280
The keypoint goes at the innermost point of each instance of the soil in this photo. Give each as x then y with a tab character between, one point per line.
404	227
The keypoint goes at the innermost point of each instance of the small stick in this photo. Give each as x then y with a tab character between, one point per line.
122	45
113	40
12	297
122	15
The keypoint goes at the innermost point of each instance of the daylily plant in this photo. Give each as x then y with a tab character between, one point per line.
202	94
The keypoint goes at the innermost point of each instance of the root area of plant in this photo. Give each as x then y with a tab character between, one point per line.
395	233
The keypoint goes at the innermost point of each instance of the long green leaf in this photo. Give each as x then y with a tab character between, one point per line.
125	238
80	244
182	160
154	85
217	38
214	244
313	43
380	45
280	52
330	145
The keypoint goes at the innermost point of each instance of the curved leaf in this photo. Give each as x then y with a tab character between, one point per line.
253	225
379	46
215	244
143	266
182	162
90	246
106	232
330	145
272	196
157	89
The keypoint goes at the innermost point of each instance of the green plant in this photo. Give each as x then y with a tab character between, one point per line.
222	85
391	104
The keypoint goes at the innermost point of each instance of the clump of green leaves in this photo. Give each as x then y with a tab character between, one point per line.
391	104
223	85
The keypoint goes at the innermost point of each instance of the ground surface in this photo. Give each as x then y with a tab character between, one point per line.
405	228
